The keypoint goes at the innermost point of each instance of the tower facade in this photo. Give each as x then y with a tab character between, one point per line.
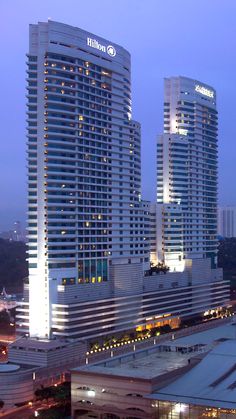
84	174
187	174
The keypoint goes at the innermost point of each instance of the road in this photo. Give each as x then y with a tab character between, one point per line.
20	413
24	412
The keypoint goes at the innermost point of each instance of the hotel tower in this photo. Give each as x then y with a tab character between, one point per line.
85	224
89	233
187	174
88	230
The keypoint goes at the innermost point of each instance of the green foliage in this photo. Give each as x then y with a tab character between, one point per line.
13	265
56	412
156	269
59	393
44	393
94	345
227	259
165	329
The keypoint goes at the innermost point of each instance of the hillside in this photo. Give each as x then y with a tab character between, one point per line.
227	259
13	266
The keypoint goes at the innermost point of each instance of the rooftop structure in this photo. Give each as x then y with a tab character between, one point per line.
186	377
210	383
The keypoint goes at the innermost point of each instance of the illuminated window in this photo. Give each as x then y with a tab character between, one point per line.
68	281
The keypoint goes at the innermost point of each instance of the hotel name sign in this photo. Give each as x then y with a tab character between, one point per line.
204	91
109	49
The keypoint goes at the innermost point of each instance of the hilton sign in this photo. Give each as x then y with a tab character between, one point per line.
110	50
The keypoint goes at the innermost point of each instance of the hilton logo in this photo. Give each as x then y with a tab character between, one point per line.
110	50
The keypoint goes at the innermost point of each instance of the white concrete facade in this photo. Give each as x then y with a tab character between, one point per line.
84	169
187	172
88	228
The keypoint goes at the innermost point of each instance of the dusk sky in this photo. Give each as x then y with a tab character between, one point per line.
193	38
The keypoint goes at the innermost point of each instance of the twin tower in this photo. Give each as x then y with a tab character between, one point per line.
88	230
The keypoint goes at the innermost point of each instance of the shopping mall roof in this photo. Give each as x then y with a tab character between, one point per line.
166	357
212	382
207	337
142	364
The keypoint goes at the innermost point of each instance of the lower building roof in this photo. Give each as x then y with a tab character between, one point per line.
212	382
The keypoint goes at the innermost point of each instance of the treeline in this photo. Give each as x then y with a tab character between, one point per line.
14	268
13	265
227	259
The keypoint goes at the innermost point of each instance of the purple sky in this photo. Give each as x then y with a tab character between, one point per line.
195	38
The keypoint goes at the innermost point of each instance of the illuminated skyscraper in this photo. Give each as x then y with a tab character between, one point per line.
88	255
85	224
187	173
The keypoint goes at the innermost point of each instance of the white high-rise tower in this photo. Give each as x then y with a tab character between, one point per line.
187	174
85	224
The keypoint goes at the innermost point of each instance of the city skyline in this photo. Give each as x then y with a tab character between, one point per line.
105	265
154	42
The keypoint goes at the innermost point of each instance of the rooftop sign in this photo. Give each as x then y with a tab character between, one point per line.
110	50
204	91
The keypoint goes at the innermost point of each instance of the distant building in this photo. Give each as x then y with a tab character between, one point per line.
16	234
227	221
7	235
19	233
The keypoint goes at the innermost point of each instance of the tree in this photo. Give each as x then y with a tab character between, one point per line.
44	393
13	265
61	393
1	404
165	329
